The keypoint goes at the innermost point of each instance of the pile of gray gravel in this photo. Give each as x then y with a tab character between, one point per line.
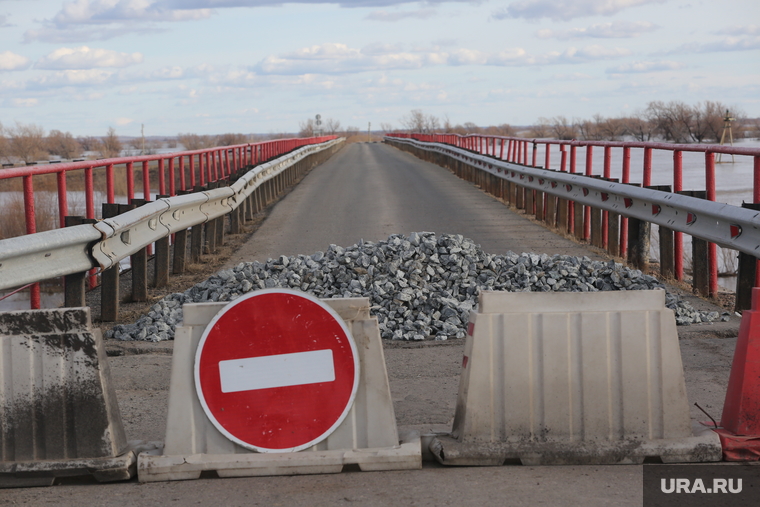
420	287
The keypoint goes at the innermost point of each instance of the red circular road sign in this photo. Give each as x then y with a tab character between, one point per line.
276	370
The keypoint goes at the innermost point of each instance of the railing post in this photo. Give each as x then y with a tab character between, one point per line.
63	204
607	174
638	243
161	259
139	261
180	250
587	209
756	199
74	284
624	220
109	278
712	256
667	250
613	231
110	193
31	228
677	235
172	184
700	275
146	180
130	181
161	177
747	273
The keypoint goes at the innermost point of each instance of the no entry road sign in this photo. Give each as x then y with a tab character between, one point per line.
276	371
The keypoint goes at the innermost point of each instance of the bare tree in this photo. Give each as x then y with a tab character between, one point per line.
415	121
471	128
332	126
307	128
63	144
562	128
27	142
386	127
447	126
89	143
504	129
611	129
4	145
352	131
432	124
231	139
110	146
540	129
193	142
639	126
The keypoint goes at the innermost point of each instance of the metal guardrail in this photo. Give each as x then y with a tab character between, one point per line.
60	252
723	224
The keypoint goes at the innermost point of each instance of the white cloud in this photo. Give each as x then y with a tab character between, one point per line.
12	61
123	121
614	30
744	43
586	54
87	20
564	10
740	30
335	58
399	15
109	11
86	58
574	76
78	78
25	102
640	67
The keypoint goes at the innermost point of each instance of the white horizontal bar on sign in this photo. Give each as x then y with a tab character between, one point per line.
282	370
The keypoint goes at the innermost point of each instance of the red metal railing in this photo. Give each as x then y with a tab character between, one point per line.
516	150
213	164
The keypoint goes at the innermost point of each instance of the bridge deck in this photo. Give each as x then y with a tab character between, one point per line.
370	191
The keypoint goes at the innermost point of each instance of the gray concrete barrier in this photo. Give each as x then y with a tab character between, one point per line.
58	411
573	378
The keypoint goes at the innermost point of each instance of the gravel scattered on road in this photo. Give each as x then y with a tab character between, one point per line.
420	287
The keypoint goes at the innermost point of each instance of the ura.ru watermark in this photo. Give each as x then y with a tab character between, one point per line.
714	485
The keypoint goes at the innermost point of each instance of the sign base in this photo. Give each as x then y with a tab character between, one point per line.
367	437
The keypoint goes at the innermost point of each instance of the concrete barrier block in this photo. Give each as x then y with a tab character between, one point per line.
58	411
568	378
368	437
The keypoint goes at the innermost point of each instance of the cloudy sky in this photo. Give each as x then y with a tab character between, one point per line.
213	66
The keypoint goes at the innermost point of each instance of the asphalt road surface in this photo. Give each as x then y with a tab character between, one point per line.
371	191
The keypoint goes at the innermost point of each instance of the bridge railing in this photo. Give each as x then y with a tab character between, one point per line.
163	175
525	153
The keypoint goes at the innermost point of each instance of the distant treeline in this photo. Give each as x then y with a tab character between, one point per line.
673	121
26	143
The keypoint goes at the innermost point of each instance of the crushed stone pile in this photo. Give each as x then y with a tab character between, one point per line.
420	287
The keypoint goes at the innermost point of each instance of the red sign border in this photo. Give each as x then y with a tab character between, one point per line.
199	350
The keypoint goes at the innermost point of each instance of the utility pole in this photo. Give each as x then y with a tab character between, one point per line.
369	128
726	128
